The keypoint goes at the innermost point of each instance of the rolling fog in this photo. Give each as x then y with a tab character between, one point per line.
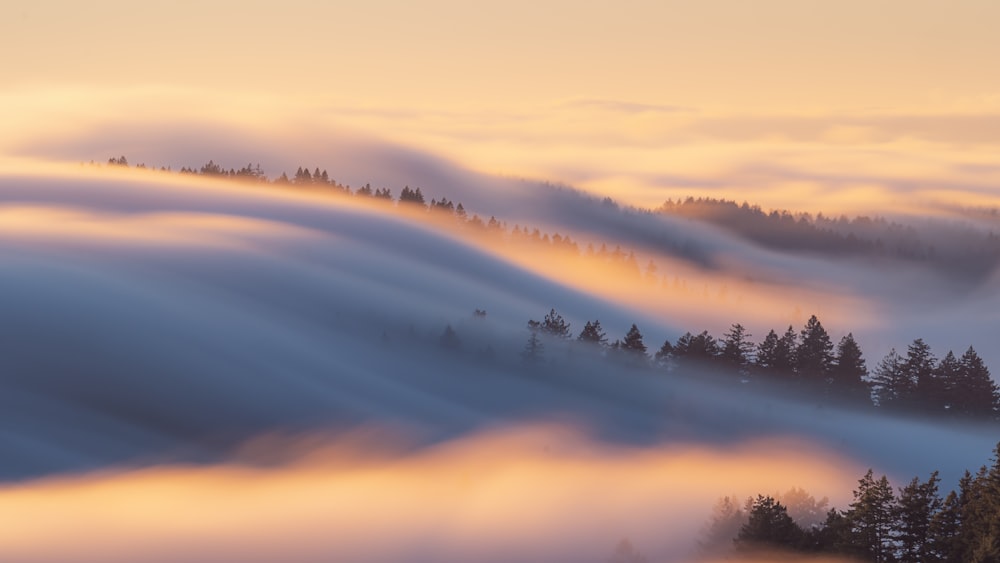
218	371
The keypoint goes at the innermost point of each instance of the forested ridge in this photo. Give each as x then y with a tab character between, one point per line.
913	524
806	362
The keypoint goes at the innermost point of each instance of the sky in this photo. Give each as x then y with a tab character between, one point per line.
853	105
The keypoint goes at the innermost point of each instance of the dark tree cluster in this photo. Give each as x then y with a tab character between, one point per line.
962	249
809	361
913	524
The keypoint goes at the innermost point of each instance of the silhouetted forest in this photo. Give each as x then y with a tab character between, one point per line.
805	362
961	248
913	524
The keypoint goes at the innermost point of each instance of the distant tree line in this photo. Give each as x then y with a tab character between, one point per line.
914	524
806	360
963	249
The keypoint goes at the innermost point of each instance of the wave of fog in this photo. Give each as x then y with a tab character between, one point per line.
151	320
524	494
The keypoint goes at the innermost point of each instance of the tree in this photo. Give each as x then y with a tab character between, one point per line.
411	196
555	325
592	333
923	391
814	355
722	527
944	531
776	355
534	350
889	383
976	394
948	374
449	339
915	508
769	526
848	373
737	349
663	355
701	348
872	518
625	553
633	341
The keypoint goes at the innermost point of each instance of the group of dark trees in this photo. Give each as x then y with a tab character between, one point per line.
806	360
912	525
962	249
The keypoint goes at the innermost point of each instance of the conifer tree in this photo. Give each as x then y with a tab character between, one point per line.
916	506
848	373
889	382
534	350
948	374
977	394
592	333
769	526
814	355
922	391
872	518
737	349
633	342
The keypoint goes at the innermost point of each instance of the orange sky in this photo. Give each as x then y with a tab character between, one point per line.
643	99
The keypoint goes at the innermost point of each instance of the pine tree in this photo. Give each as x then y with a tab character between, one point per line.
555	325
814	355
534	350
848	373
592	333
769	526
766	354
872	518
696	349
889	383
449	339
976	395
664	354
944	531
948	374
915	509
633	342
923	391
737	349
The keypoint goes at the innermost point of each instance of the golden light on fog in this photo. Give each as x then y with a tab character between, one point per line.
535	489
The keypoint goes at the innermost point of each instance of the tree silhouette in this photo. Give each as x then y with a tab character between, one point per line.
592	333
916	506
633	342
737	349
848	373
889	382
534	350
872	518
814	355
977	394
553	324
769	526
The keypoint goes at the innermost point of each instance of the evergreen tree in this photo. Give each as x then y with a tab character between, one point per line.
872	519
592	333
889	383
979	535
625	553
664	354
814	355
848	373
701	348
737	349
555	325
449	339
915	509
919	368
633	342
766	354
944	531
948	374
534	350
769	526
976	394
723	526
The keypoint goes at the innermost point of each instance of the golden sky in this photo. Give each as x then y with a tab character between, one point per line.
638	99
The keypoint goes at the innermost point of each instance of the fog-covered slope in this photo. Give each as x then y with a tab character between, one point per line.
151	319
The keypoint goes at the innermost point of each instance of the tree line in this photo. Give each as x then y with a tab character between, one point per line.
808	360
913	524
